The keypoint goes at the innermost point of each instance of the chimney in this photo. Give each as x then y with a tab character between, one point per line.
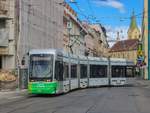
118	37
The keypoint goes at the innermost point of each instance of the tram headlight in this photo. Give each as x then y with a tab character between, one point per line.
32	80
48	80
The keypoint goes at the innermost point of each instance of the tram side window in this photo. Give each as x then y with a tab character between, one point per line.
118	71
97	71
130	72
83	71
103	71
66	71
59	70
73	71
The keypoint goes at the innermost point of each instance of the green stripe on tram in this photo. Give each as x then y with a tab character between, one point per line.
42	87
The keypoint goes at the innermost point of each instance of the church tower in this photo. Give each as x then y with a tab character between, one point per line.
133	31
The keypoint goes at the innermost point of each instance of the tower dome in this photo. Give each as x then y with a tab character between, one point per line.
133	31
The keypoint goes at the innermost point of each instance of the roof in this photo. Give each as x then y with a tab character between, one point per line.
125	45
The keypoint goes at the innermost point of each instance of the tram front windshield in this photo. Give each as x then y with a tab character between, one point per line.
41	66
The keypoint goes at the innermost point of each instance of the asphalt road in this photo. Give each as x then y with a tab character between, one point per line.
94	100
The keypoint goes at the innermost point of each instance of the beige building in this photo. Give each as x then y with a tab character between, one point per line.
89	41
85	39
96	43
100	43
74	32
145	38
128	48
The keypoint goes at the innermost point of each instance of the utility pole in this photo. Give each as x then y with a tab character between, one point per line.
109	71
17	36
69	27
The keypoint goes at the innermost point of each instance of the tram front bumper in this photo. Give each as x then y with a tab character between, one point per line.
42	87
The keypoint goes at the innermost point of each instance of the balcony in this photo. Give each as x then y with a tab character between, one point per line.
4	9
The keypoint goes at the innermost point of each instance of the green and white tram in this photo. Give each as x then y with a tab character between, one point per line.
53	71
43	76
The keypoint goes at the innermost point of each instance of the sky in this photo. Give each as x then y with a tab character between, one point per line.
114	15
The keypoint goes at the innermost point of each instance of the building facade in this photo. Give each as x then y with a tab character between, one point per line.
26	25
7	34
100	43
41	26
96	40
89	43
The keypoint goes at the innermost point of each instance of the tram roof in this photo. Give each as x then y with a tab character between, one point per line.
121	61
45	51
118	59
98	58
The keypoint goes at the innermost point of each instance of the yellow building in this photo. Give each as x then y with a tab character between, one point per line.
127	48
145	37
133	32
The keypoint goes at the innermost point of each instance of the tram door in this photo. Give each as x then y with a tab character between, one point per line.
83	76
118	75
74	77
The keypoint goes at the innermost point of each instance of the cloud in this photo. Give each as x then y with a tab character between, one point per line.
111	3
112	33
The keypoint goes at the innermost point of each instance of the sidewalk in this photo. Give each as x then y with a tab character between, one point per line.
5	93
9	96
143	83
